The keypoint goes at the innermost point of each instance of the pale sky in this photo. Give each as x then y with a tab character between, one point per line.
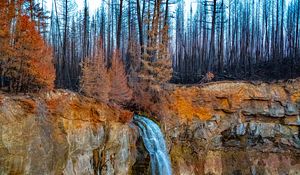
94	4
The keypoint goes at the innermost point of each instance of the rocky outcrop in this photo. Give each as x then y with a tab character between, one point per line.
217	128
232	127
64	133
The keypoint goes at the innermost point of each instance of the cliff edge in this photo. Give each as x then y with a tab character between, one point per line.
216	128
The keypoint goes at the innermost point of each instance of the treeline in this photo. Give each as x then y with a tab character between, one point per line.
142	40
137	30
229	38
92	54
232	37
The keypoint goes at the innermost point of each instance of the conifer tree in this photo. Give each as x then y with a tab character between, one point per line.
26	60
95	80
33	59
120	92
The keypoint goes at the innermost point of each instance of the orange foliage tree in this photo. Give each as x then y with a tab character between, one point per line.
25	59
95	80
35	58
120	92
107	85
6	51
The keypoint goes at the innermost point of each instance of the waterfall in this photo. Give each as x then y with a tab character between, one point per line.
155	145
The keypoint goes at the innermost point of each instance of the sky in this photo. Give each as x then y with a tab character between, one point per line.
94	4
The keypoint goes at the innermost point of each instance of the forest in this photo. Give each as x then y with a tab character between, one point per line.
126	41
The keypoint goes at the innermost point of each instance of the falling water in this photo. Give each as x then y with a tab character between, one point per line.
155	145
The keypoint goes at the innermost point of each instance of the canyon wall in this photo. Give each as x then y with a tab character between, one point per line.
216	128
232	127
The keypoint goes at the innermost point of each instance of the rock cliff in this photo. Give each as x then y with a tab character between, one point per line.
232	127
216	128
63	133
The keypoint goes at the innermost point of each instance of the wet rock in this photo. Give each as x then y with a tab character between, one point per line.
276	110
262	129
296	141
283	130
291	109
241	129
211	125
216	141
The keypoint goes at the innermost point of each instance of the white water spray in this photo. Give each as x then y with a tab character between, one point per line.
155	145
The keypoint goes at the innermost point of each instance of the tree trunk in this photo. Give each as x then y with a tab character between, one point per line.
140	24
212	37
119	27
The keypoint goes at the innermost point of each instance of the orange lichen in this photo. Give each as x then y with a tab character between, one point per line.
125	116
224	103
53	104
185	108
29	105
295	97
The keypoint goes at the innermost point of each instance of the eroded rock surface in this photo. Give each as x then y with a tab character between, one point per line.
63	133
218	128
233	128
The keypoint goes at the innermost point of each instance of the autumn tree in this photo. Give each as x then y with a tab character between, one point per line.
156	64
27	64
120	92
7	13
107	85
95	80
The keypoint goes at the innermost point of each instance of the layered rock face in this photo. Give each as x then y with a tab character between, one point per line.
232	128
63	133
218	128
